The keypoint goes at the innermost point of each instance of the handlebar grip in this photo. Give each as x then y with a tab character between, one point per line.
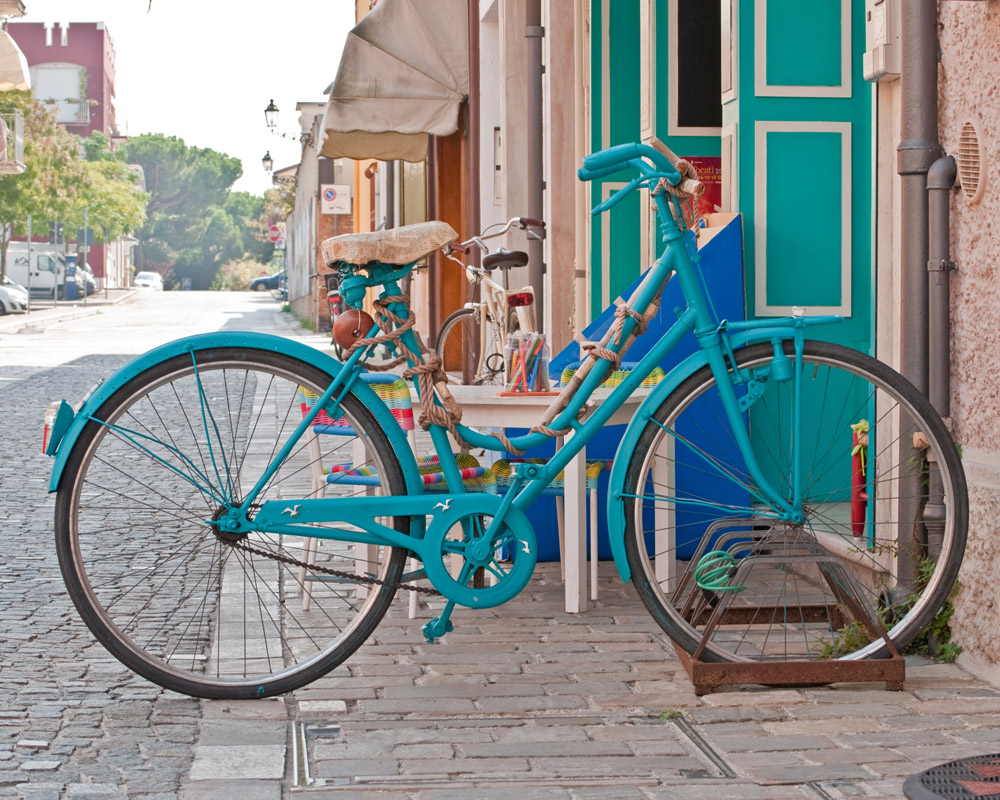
586	174
457	247
531	222
612	156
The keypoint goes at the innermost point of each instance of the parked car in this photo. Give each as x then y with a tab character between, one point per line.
85	276
13	298
268	282
149	280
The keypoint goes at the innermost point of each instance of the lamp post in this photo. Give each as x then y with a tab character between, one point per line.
271	118
271	115
268	162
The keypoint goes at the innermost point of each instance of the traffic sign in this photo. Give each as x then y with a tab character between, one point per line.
274	233
335	198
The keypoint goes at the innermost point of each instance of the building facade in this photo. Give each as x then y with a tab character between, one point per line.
72	69
969	123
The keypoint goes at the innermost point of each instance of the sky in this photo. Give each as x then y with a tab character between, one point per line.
204	71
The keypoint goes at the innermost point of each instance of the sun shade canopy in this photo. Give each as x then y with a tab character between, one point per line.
403	75
13	66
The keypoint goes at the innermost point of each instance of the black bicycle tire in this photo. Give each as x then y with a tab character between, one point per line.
929	421
107	632
450	322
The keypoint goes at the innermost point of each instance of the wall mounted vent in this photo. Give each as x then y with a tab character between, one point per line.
971	174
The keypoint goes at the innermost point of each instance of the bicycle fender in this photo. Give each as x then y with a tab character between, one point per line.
255	341
616	483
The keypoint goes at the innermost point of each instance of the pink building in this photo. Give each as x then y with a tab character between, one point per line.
73	70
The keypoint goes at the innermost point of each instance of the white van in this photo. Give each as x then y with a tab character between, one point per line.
48	270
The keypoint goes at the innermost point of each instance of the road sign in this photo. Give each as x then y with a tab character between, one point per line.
335	198
274	233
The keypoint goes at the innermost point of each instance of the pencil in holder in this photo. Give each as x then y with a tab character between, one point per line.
526	363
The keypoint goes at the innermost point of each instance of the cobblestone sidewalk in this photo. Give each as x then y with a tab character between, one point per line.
525	701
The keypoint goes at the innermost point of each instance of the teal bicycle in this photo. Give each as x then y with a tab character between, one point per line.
774	497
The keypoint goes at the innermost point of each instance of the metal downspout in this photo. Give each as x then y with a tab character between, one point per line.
473	216
581	314
534	32
940	180
918	149
473	200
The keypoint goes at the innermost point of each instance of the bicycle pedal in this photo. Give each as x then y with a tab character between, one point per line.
437	628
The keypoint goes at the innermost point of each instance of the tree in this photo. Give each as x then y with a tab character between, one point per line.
245	209
110	199
64	176
54	173
194	223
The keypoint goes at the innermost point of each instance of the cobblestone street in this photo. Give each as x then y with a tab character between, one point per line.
519	702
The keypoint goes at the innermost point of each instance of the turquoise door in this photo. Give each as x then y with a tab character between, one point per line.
797	149
651	75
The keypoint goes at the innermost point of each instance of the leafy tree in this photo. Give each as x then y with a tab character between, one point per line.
47	189
194	222
246	209
65	175
110	195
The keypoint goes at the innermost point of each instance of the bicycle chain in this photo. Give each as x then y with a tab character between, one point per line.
350	576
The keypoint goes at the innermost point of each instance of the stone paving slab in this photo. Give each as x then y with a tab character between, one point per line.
519	702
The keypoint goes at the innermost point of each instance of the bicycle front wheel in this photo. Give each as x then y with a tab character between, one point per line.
466	351
184	604
860	575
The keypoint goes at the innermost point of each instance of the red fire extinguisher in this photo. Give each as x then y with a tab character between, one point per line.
859	466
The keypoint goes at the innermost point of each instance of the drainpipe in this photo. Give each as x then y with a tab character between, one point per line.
390	194
918	149
581	315
434	260
536	266
473	199
940	180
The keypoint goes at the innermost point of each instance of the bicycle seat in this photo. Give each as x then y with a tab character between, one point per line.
505	260
394	246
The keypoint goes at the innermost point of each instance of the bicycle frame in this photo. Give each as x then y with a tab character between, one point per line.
717	340
495	304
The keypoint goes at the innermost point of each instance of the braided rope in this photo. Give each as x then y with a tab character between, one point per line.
686	214
431	378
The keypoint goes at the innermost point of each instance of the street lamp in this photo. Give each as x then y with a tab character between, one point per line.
267	161
271	115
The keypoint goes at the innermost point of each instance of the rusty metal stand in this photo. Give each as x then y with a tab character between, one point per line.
707	677
774	548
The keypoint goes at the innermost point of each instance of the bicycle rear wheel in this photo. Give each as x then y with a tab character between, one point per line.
727	580
194	609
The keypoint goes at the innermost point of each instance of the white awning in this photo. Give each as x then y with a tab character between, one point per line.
13	66
403	75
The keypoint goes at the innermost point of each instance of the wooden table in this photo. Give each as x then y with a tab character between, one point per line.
481	408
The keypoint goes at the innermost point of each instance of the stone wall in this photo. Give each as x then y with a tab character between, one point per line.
969	90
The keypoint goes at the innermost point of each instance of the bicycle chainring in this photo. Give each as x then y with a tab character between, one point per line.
478	564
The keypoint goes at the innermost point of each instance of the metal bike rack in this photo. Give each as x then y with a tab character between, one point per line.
762	539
